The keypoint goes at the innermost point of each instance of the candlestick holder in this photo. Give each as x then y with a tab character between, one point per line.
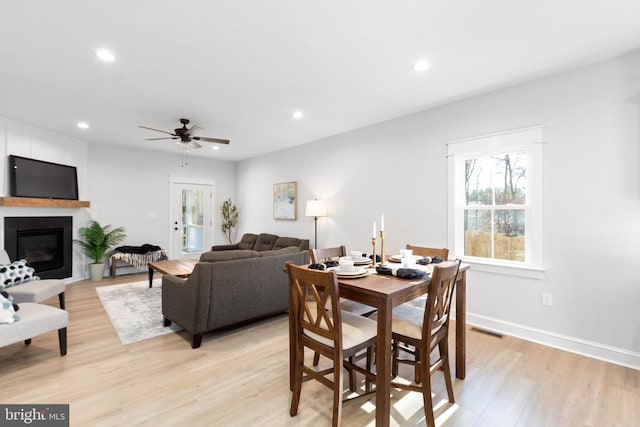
382	260
373	252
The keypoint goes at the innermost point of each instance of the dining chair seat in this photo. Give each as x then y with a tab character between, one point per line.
356	307
355	330
406	320
419	302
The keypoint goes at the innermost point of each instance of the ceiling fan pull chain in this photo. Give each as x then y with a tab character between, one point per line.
185	152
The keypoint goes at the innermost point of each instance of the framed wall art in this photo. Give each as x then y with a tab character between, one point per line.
285	200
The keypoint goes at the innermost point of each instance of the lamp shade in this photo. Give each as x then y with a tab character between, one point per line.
315	208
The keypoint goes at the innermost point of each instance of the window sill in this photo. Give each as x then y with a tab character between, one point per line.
525	271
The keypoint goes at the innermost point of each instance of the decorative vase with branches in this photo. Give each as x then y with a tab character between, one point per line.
230	214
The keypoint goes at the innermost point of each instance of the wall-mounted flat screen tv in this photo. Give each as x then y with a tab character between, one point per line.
37	178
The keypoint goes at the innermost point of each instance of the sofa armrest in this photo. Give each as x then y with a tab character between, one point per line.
182	302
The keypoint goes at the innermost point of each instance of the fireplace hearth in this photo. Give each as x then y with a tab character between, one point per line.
44	241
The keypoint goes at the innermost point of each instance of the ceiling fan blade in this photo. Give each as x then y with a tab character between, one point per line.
193	128
157	139
157	130
219	141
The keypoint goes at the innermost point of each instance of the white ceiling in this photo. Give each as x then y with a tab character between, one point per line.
239	68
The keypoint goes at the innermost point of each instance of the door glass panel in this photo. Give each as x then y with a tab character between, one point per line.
192	221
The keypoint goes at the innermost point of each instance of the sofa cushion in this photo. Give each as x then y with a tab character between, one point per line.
248	241
276	252
265	242
228	255
285	242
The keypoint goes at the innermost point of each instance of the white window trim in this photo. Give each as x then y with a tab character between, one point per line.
530	140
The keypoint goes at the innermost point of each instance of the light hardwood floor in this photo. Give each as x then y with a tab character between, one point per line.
240	378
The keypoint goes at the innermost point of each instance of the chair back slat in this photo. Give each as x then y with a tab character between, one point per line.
430	252
439	297
327	254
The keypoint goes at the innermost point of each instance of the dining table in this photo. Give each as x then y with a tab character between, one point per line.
384	292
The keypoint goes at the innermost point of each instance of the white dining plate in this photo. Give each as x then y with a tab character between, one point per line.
397	258
349	276
357	271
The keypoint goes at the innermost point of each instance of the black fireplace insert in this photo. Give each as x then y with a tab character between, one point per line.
45	242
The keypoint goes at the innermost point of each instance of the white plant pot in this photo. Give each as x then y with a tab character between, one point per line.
96	271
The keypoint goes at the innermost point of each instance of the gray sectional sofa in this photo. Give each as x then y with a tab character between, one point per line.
231	286
264	242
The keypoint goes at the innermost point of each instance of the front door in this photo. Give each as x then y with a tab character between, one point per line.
191	219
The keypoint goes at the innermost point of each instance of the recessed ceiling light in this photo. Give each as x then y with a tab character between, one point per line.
83	125
215	147
298	114
106	55
421	65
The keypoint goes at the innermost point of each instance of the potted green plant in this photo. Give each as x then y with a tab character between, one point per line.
96	242
230	216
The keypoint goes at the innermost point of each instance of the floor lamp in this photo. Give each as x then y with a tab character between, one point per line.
315	208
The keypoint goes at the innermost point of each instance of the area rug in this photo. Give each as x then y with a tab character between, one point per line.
135	310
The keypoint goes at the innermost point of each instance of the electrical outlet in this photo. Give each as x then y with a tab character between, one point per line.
546	299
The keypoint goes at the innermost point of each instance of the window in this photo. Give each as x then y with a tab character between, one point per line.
496	183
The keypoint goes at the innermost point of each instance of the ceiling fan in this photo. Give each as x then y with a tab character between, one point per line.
186	135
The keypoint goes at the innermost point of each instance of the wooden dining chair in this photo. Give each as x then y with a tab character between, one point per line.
430	252
419	332
327	254
322	327
334	254
423	251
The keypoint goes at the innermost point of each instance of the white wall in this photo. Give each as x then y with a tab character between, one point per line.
591	201
130	188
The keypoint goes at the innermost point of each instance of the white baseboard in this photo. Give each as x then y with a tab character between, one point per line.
592	349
